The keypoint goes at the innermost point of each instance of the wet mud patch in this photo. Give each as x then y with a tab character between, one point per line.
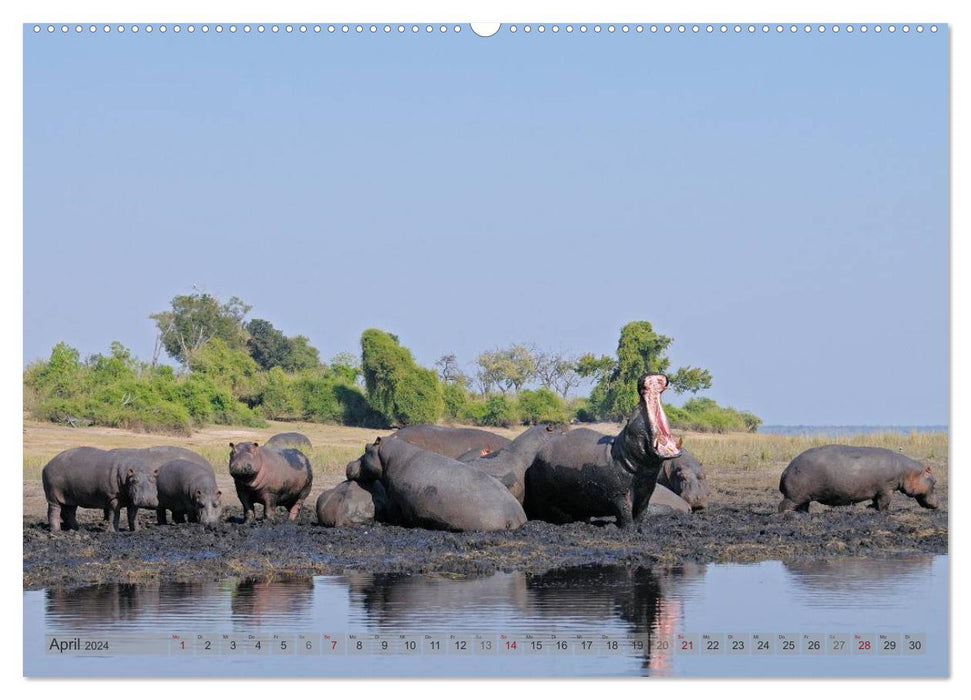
724	533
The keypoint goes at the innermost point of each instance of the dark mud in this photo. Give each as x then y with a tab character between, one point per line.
724	533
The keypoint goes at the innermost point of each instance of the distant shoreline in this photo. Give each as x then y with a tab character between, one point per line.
848	429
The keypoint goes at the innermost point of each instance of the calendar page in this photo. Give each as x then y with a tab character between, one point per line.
485	350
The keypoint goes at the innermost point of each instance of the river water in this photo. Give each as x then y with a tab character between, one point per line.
766	619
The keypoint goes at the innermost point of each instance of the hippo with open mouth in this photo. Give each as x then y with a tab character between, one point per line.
585	474
841	475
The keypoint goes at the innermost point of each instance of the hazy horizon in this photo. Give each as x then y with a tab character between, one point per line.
777	204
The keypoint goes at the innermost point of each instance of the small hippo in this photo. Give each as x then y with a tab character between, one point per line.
350	503
188	489
451	442
509	464
685	477
429	490
87	477
270	475
297	440
840	475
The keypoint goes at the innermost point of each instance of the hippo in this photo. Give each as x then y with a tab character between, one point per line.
451	442
297	440
188	489
664	500
272	476
840	475
88	477
350	503
158	455
509	464
585	474
432	491
685	477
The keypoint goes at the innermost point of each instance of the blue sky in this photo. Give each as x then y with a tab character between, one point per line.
775	203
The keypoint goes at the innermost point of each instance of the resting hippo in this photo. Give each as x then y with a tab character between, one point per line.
840	475
350	503
272	476
451	442
585	474
188	489
297	440
684	476
429	490
87	477
509	464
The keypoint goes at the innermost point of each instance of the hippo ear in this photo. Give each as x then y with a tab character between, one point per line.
377	440
155	472
232	446
219	494
256	444
927	470
130	471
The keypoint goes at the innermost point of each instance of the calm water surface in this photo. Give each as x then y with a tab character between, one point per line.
846	596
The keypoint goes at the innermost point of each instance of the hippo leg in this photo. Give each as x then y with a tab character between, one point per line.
295	510
881	502
160	516
54	517
269	507
116	517
178	516
69	515
803	507
249	510
107	515
787	505
193	516
132	518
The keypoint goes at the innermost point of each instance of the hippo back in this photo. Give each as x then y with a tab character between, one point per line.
298	440
451	442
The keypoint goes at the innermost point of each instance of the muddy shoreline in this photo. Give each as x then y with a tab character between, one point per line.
724	533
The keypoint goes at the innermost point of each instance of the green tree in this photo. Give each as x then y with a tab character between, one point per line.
506	368
397	387
640	350
302	355
267	345
195	319
228	367
346	367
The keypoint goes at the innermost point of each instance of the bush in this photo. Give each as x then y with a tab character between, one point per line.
455	399
705	415
496	411
540	406
397	387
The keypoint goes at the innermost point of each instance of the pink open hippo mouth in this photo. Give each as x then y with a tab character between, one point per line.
664	443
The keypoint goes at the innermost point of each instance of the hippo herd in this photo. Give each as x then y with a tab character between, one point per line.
463	479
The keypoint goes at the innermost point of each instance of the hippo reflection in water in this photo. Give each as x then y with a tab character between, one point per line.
637	598
260	600
104	604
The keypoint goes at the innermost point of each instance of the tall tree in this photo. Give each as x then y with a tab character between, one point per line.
640	350
507	368
557	372
397	387
195	319
267	345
